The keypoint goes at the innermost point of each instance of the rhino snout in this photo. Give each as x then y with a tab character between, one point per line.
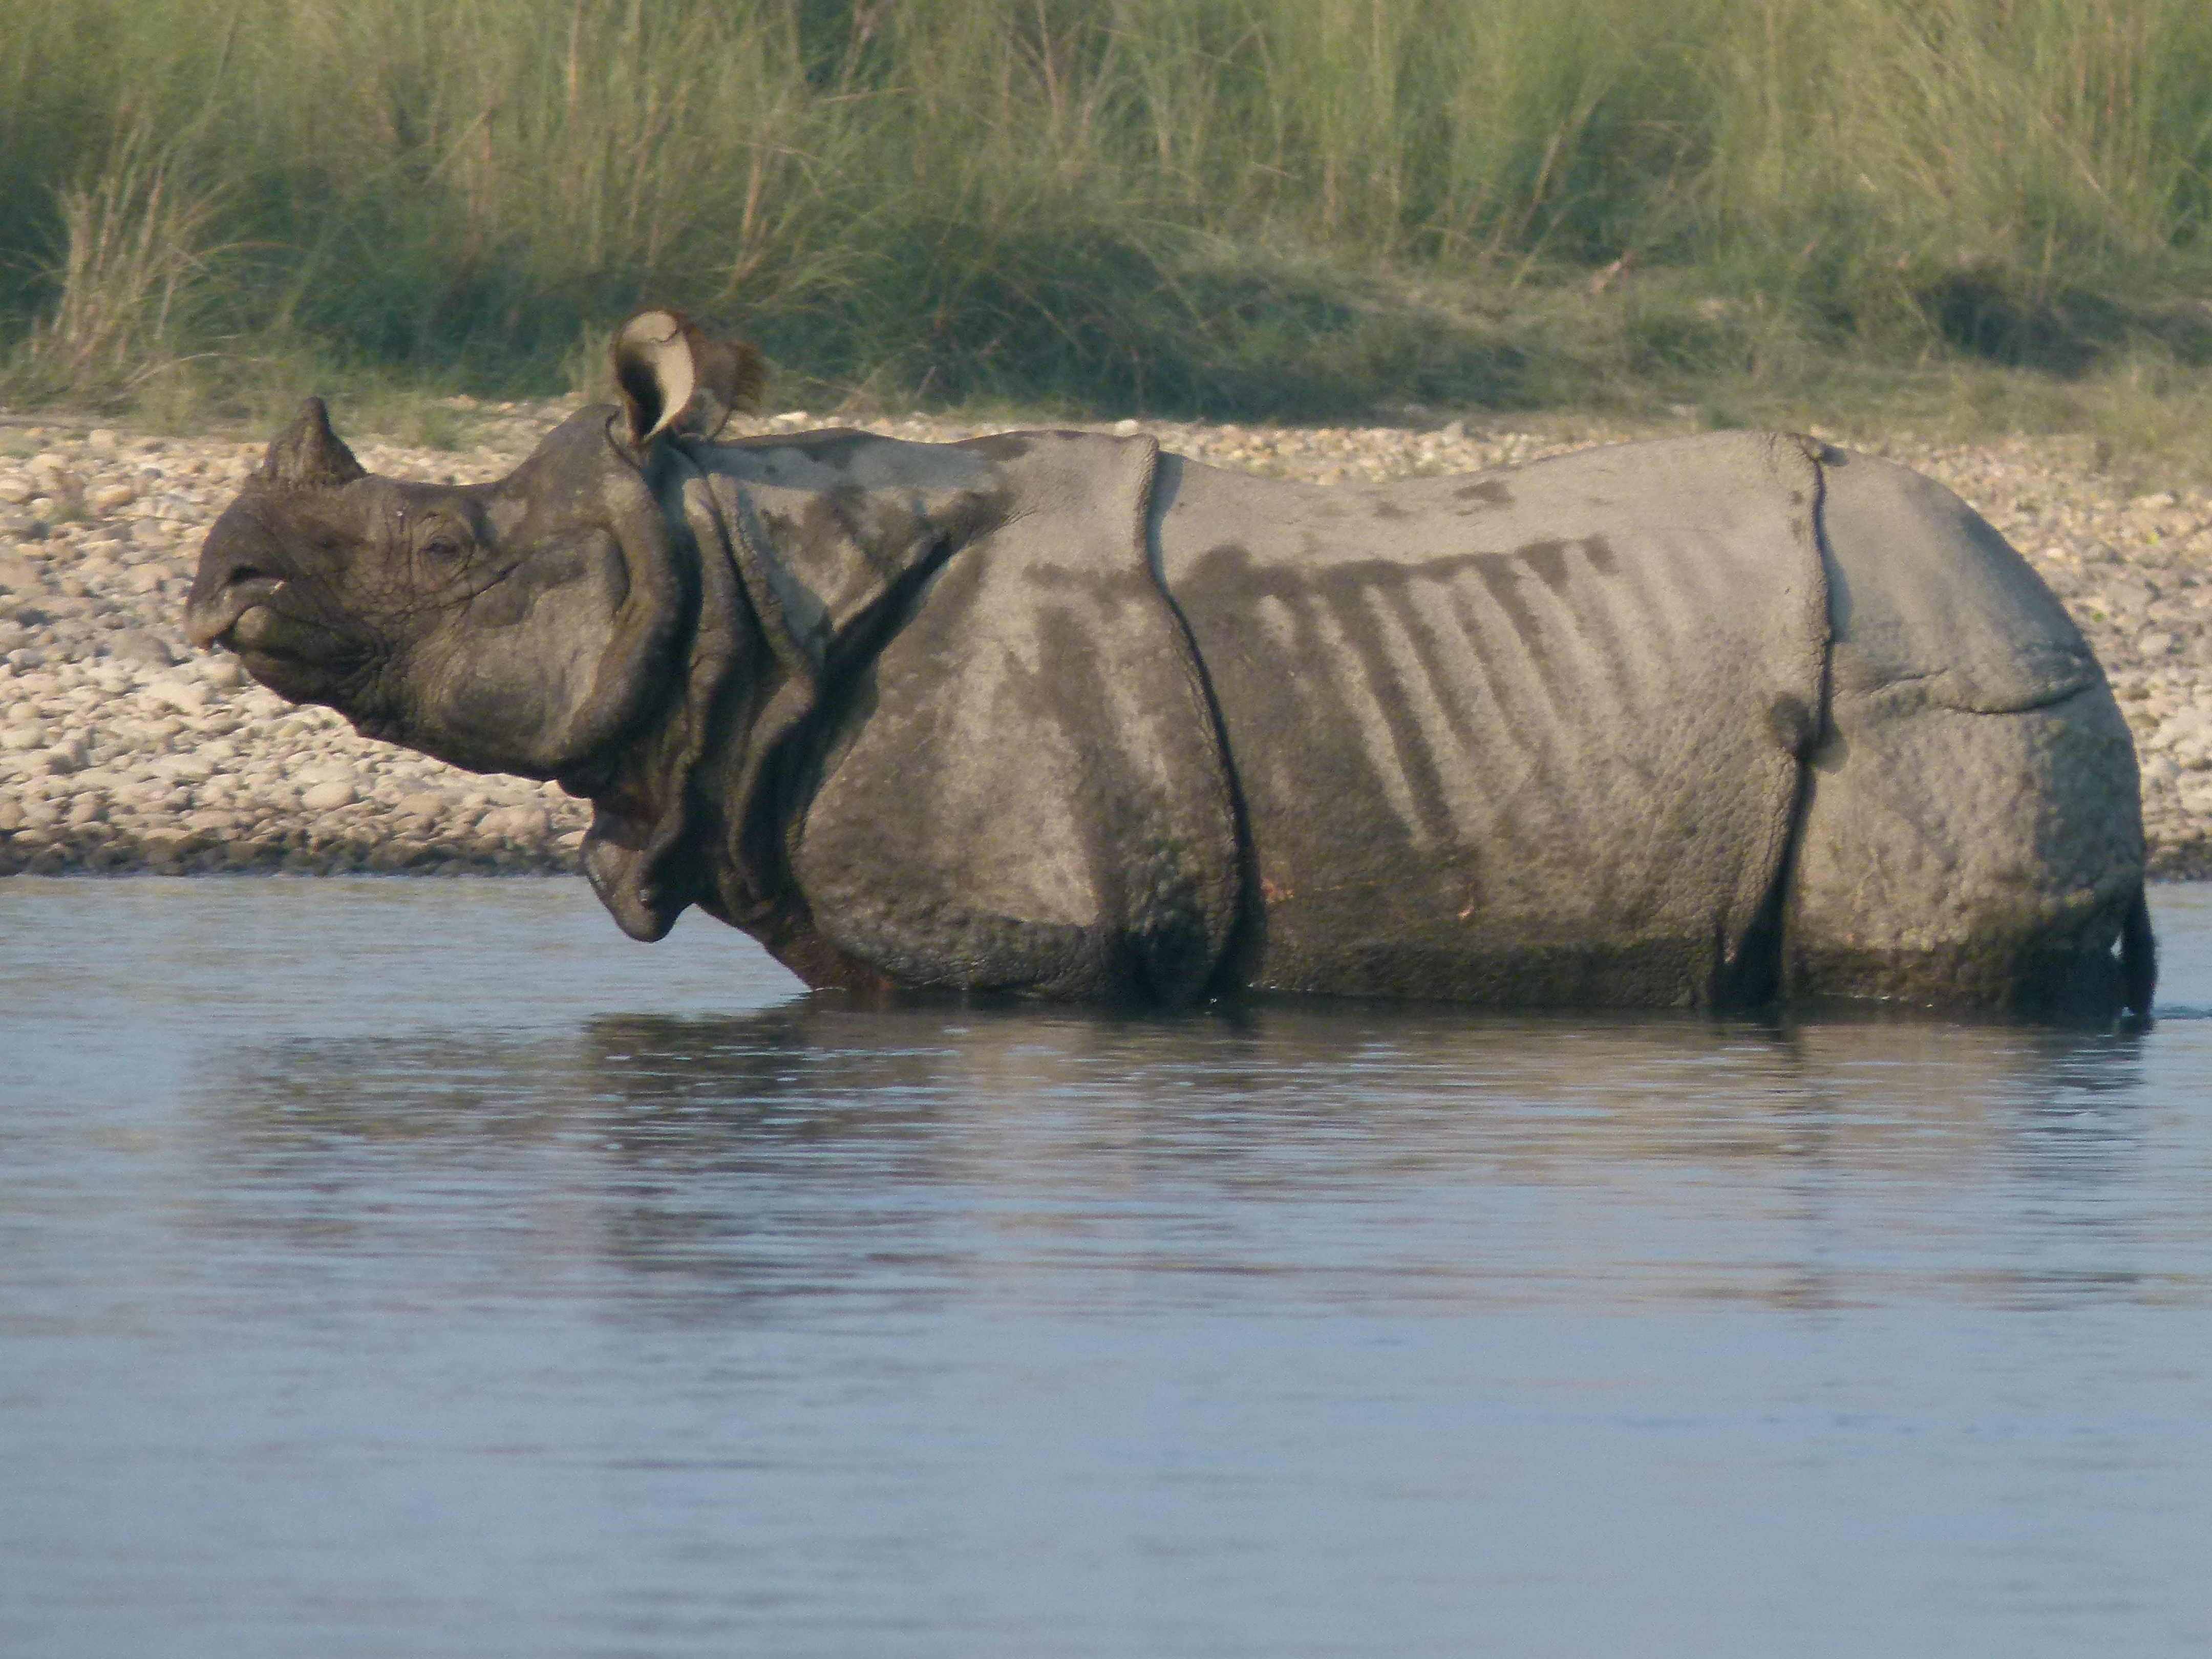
222	595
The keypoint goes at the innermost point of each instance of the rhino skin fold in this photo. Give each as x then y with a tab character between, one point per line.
1704	721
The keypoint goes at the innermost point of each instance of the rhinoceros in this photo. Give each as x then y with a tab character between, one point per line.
1701	721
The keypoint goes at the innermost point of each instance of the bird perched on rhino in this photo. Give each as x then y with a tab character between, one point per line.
1699	721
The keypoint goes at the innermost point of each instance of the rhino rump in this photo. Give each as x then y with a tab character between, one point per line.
1566	734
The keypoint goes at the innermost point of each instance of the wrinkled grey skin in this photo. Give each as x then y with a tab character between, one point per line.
1707	723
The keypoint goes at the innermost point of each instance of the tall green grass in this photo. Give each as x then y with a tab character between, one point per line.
1232	206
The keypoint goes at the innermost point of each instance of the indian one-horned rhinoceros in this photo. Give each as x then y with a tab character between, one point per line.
1698	721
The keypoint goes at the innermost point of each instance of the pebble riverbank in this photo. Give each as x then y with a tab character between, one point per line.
122	748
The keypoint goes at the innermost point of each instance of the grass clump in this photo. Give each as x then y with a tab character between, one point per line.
134	262
1295	208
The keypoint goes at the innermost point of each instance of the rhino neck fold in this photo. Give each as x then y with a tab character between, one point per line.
649	629
664	836
638	855
808	613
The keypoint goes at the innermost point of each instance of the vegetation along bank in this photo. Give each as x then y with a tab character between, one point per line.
1963	216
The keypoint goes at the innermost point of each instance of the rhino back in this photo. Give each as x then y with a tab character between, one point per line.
1529	736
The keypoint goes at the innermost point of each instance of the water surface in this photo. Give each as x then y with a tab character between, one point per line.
420	1268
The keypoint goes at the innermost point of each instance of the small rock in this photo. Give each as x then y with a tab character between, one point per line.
423	804
137	645
189	696
2121	597
164	846
110	498
515	824
326	797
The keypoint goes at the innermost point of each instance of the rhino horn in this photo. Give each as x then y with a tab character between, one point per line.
308	455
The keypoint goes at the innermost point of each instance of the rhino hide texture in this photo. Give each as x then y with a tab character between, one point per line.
1697	722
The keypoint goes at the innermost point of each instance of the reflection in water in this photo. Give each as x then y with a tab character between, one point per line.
818	1146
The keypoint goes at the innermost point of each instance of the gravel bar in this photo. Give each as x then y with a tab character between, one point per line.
121	749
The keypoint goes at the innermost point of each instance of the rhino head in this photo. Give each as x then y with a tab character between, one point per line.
538	625
519	626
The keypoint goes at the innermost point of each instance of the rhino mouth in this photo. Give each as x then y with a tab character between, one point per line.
280	649
220	622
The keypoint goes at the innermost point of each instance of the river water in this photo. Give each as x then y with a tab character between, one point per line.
418	1268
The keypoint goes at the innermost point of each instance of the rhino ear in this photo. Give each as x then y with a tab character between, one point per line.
673	378
308	455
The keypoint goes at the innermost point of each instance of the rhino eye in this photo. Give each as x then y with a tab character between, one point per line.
444	547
